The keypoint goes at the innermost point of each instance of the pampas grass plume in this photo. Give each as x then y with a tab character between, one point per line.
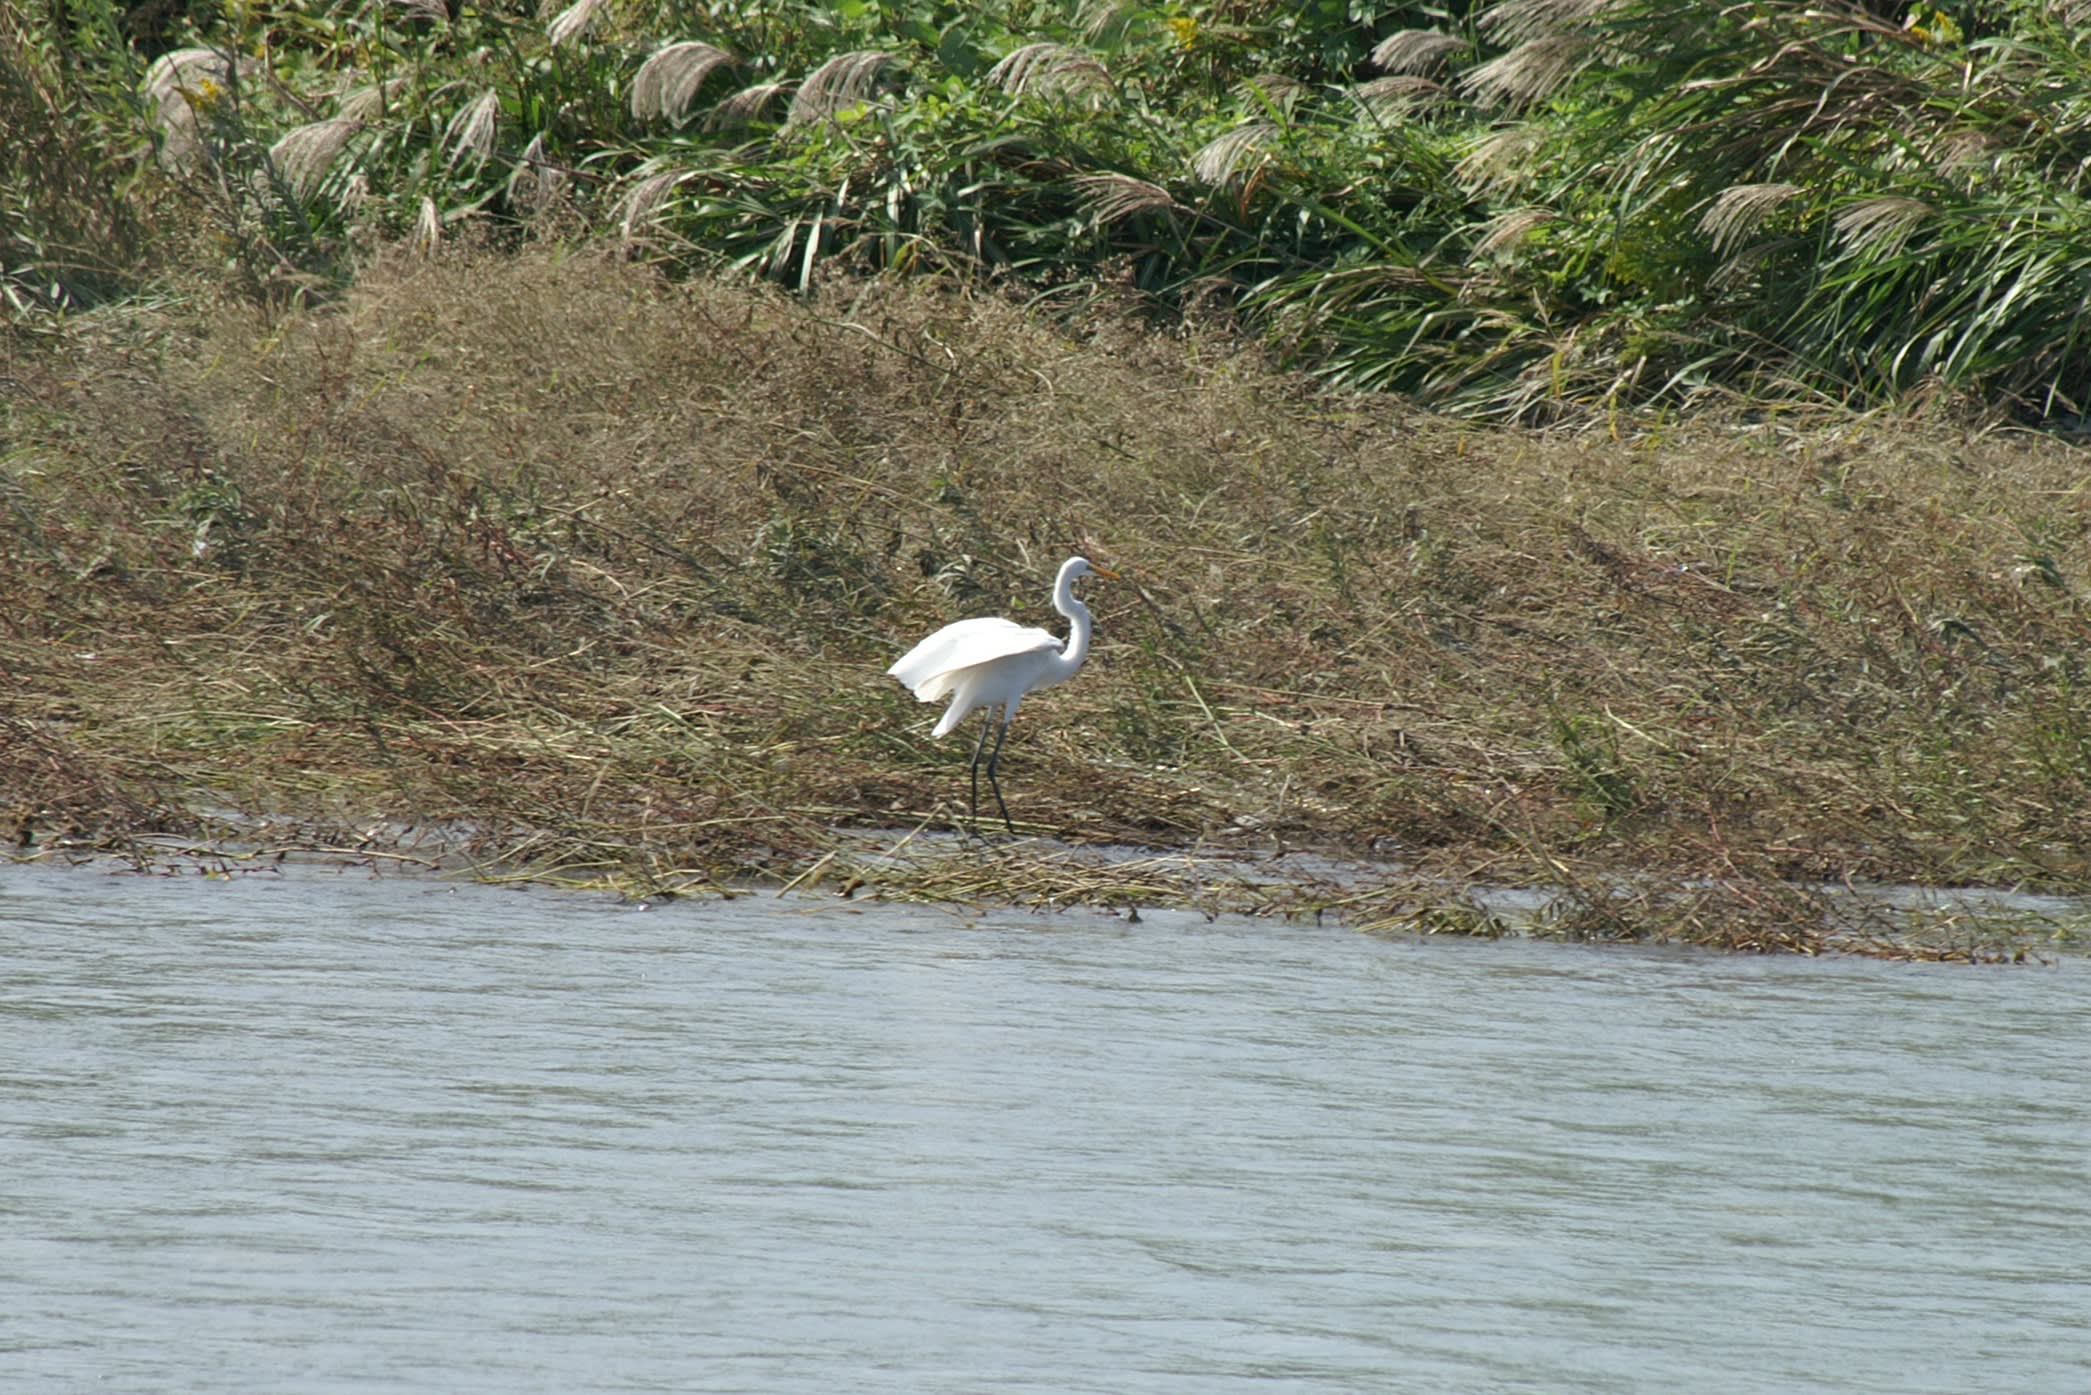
1738	211
1220	158
1108	198
667	82
471	132
839	83
303	156
571	22
1414	50
1050	69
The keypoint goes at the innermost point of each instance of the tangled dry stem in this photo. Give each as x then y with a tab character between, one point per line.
605	570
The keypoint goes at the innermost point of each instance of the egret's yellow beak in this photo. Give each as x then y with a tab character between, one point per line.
1103	571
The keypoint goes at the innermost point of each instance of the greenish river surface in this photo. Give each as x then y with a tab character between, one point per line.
325	1131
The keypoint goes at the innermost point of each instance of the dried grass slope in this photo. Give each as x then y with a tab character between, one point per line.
607	569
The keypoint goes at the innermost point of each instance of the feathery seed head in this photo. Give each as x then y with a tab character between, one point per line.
1224	156
1516	21
182	85
667	82
1415	50
840	83
1531	71
1739	210
1396	94
1880	226
1501	160
1278	89
1110	198
748	104
1107	21
573	21
1737	270
182	71
472	131
370	101
1964	151
1047	69
1509	229
537	183
428	228
303	156
637	211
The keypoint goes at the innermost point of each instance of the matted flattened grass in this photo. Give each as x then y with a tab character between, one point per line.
608	569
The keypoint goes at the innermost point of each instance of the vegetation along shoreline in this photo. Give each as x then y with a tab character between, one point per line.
537	454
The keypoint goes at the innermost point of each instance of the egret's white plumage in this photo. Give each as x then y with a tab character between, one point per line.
992	663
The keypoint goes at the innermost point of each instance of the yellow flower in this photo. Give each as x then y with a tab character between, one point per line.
1933	26
205	94
1185	28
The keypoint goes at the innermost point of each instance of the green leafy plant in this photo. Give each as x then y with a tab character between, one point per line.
1520	209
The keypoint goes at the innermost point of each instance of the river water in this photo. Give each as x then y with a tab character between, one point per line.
328	1131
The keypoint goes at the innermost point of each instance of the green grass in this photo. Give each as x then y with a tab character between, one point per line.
1516	211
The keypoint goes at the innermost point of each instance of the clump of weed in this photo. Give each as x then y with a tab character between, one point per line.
59	796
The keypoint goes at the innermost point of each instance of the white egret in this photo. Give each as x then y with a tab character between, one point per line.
992	663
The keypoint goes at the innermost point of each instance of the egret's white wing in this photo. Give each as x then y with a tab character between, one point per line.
962	645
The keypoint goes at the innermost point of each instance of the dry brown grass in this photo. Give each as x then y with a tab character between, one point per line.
607	569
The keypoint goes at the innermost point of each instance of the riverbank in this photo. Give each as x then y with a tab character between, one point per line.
607	570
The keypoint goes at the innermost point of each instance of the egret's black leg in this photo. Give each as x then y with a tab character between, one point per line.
994	758
973	767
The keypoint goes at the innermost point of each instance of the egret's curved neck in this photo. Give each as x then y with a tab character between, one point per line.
1077	614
